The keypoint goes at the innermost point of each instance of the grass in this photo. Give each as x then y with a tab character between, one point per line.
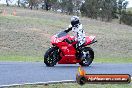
40	59
113	60
75	85
21	58
30	21
26	37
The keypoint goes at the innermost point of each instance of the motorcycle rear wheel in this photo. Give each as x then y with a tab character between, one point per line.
87	60
51	56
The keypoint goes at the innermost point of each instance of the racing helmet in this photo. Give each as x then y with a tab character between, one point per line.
74	20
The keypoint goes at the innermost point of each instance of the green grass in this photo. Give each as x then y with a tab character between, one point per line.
29	20
113	60
75	85
21	58
26	37
40	59
37	21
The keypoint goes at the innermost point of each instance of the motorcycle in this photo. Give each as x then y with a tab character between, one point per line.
64	51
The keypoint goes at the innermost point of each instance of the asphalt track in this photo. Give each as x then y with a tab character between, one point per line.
32	72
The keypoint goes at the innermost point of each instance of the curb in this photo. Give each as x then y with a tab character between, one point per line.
39	83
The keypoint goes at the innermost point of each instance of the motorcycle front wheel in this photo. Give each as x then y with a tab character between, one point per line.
87	56
51	57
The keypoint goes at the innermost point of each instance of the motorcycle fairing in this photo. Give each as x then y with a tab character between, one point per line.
68	52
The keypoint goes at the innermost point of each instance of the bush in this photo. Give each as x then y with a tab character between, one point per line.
127	17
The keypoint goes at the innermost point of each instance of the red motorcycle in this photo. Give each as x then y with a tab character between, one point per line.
63	51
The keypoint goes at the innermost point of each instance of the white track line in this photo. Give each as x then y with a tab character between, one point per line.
39	83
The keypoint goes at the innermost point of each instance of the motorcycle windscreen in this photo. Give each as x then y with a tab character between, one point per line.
55	39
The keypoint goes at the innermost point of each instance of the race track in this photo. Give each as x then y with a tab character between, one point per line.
31	72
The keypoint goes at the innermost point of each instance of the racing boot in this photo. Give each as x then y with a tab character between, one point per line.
79	53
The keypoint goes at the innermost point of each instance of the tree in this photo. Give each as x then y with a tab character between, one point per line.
18	2
114	11
107	9
127	17
76	6
47	4
90	8
63	5
122	4
67	6
54	5
34	3
7	2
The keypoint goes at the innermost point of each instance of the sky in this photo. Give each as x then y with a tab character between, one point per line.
14	1
130	3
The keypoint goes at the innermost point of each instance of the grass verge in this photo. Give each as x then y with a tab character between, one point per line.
21	58
75	85
40	59
113	60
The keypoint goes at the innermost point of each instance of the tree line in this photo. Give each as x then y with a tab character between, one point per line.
105	10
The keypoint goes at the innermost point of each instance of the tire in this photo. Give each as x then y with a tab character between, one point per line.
81	80
51	57
89	56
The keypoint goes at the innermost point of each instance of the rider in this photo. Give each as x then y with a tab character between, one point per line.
78	31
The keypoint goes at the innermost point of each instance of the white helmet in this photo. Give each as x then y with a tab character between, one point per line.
74	20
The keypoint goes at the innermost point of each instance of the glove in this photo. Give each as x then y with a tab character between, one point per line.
68	41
